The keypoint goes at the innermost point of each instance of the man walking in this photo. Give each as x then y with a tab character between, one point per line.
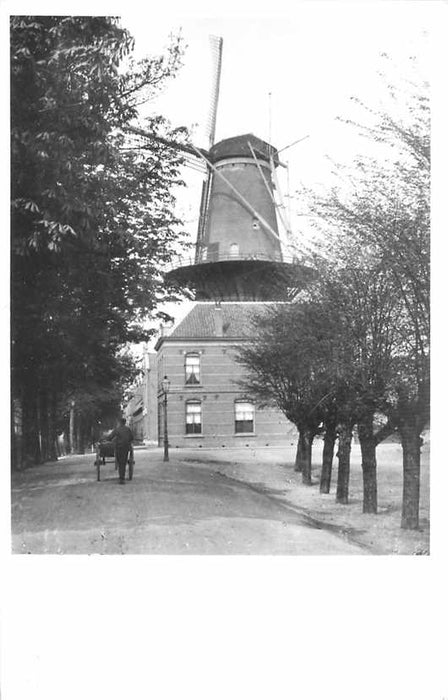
123	437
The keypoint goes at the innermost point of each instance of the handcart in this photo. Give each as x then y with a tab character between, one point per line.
105	452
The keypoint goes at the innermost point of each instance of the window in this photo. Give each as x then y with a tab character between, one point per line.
192	368
244	417
193	418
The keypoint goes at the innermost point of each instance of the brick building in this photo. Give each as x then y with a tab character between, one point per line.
206	407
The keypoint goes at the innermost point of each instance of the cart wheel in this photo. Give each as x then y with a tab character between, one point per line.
131	469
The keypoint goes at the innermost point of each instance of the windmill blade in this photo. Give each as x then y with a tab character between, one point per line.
293	143
279	206
184	147
257	163
195	164
203	212
216	49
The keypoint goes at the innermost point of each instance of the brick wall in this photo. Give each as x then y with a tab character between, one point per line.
217	393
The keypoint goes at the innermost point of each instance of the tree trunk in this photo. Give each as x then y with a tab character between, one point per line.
327	460
52	436
16	434
305	452
297	463
72	428
30	429
410	442
80	437
344	448
78	441
43	425
368	456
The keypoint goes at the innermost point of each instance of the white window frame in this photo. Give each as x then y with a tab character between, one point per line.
193	414
196	356
240	403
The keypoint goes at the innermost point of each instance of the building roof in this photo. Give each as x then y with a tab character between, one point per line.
237	147
200	323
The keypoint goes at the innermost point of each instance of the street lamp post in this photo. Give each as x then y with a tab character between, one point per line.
165	387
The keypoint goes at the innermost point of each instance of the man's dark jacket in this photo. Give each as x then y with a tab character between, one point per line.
122	435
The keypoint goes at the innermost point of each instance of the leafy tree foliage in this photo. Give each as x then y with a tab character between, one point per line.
286	365
370	303
382	208
359	298
92	218
326	361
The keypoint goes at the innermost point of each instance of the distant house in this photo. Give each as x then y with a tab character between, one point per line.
141	410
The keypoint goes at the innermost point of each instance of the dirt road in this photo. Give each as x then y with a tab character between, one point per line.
168	508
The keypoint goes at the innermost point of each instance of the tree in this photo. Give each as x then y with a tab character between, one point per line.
286	365
383	208
326	361
361	298
92	219
330	436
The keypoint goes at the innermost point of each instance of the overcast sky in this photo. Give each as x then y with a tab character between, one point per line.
311	62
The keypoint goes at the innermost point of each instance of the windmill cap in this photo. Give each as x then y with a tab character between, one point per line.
238	147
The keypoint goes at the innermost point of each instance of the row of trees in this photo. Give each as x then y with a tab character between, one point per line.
92	222
353	349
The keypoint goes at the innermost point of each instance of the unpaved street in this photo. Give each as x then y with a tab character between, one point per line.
168	508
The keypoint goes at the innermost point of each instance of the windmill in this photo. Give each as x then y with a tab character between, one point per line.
239	252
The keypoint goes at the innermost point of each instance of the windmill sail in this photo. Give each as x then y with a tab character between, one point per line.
205	203
216	49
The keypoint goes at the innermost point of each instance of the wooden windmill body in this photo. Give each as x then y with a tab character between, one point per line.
239	255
